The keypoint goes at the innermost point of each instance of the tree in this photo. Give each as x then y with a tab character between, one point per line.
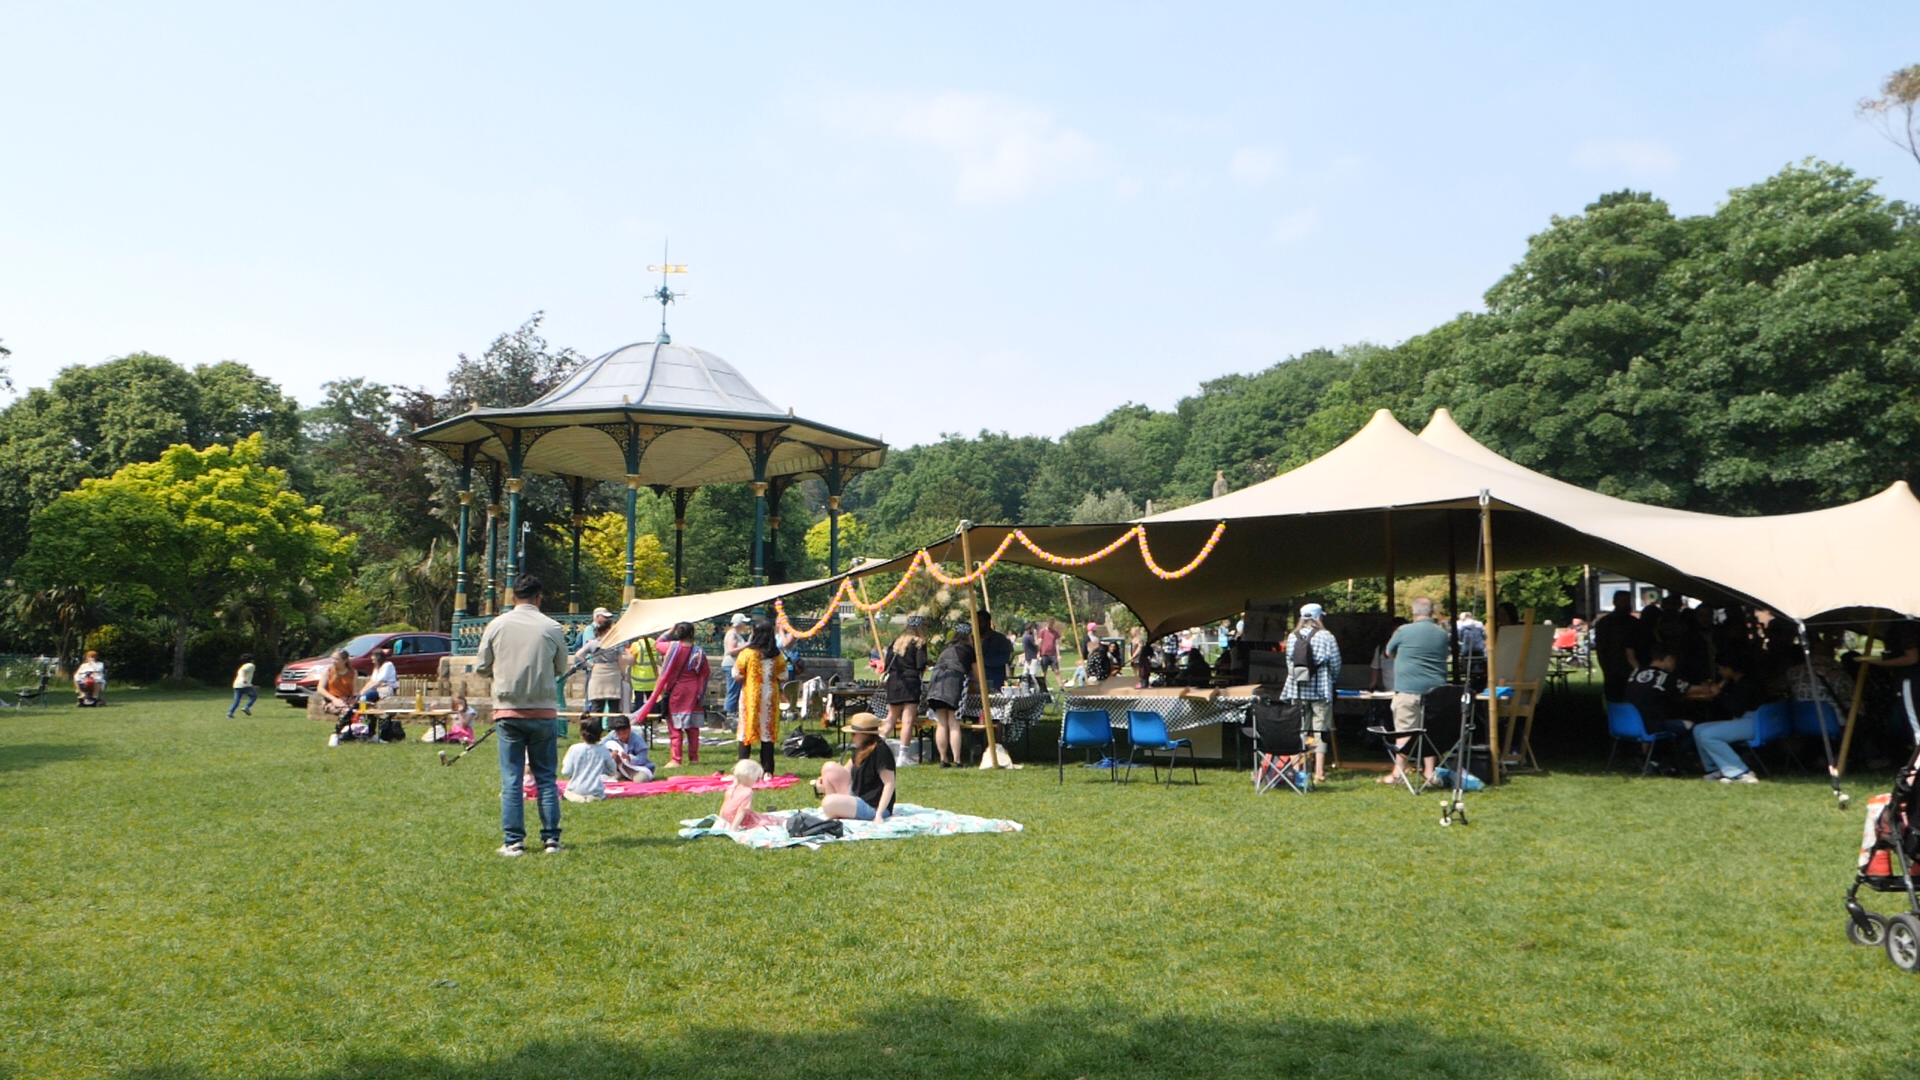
182	536
1896	112
370	478
853	540
603	546
93	420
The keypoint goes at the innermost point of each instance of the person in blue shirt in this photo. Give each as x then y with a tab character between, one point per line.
996	651
1419	653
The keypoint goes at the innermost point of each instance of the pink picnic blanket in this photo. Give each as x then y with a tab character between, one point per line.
680	785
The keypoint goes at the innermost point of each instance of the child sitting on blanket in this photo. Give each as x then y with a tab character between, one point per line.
587	765
630	758
736	809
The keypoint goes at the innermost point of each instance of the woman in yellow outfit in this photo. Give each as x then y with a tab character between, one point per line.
761	670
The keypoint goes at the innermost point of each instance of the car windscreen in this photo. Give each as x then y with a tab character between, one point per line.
358	647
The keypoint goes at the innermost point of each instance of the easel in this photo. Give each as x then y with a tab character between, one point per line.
1526	698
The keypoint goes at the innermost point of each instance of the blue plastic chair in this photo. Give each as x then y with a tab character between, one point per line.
1148	731
1808	716
1085	729
1625	724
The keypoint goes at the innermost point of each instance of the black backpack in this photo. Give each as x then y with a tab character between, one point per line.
392	730
805	744
804	824
1301	655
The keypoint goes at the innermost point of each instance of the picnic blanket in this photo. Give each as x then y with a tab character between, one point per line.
679	785
907	820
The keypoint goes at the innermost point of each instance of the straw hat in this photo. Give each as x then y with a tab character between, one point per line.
863	723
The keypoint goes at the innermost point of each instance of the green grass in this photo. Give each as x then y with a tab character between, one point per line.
187	897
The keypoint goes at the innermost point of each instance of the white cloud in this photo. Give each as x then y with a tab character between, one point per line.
998	150
1639	157
1253	166
1296	226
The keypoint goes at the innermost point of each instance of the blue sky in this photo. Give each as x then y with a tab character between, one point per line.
900	219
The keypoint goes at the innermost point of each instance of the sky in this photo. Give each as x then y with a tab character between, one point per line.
898	219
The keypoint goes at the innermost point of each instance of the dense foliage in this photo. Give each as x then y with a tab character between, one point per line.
1763	358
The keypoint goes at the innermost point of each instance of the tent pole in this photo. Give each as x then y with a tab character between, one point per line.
1388	517
1493	703
1073	622
873	623
1853	713
979	651
1453	602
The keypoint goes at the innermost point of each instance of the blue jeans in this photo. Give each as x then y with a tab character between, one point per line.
527	744
733	695
1712	739
239	692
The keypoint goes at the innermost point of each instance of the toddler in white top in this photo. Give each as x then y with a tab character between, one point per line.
587	765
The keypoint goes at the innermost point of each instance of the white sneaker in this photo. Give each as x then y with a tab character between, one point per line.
554	848
510	850
1743	778
1714	775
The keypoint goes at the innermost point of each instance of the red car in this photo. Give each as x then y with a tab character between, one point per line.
414	653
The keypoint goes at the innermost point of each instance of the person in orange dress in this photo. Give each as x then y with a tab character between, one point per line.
762	670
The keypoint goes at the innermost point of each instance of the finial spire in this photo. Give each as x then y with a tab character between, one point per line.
663	294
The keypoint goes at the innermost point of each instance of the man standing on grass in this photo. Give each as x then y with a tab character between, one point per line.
1049	639
1419	654
523	652
1313	658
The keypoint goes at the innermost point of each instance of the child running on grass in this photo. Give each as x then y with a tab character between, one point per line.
736	808
243	686
588	764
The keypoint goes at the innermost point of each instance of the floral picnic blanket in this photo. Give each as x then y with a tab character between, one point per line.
907	820
679	785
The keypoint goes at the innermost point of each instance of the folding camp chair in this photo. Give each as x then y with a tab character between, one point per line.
1279	751
1085	729
1417	748
1148	731
36	694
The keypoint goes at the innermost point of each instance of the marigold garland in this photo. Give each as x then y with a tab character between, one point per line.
922	558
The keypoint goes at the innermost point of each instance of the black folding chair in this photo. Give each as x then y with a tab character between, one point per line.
1279	750
35	695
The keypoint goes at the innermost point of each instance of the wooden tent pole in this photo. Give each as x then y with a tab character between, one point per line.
1388	517
873	623
979	650
1853	713
1073	621
1493	700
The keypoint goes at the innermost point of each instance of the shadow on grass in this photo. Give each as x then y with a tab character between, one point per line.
945	1038
34	755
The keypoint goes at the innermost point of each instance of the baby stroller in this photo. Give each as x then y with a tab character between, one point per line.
1889	845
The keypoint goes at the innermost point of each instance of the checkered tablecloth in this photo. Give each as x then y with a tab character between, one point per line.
1182	712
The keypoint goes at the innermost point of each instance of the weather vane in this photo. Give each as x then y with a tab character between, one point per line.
663	294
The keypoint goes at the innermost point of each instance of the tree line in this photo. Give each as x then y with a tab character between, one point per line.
1762	358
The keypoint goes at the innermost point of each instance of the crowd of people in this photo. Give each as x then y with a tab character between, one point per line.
1701	674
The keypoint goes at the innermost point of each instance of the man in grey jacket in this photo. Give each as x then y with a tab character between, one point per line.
523	652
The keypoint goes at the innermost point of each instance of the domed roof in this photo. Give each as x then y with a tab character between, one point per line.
660	375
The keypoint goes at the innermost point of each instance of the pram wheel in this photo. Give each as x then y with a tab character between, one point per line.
1903	942
1874	934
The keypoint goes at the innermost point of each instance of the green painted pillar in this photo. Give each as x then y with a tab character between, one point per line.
759	532
627	589
460	558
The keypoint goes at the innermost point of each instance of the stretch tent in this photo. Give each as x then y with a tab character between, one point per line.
1389	501
651	618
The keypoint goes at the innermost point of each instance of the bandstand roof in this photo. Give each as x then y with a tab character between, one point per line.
686	414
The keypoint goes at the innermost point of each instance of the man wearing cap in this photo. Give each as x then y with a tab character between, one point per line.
736	639
1313	659
523	652
607	675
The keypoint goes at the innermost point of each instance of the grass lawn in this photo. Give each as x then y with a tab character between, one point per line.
188	897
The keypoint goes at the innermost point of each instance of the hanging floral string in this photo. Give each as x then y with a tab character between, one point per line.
923	559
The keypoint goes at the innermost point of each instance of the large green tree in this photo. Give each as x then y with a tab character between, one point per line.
183	537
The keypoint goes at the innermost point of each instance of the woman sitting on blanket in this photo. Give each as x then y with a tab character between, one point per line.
864	790
736	808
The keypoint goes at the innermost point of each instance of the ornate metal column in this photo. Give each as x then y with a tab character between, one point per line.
627	590
680	496
465	483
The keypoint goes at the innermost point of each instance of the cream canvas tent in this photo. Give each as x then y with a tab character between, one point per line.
1387	500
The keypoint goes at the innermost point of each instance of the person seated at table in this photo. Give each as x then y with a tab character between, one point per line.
385	680
1194	669
862	790
336	685
1099	663
1660	694
631	760
1739	696
460	724
90	680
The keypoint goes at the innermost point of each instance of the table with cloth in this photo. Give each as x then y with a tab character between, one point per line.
1184	708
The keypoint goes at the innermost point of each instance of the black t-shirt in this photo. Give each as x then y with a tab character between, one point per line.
1900	637
866	775
1655	693
1614	633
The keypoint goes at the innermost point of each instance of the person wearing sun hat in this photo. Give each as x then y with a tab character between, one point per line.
607	684
737	629
863	789
1313	659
